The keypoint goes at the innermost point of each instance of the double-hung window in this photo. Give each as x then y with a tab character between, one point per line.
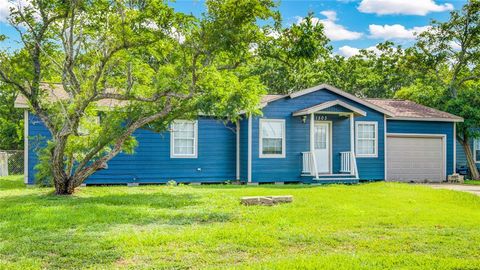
184	139
476	149
366	139
272	138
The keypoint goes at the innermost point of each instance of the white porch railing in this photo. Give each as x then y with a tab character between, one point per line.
348	163
309	164
345	162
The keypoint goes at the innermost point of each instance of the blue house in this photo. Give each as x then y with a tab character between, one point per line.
317	135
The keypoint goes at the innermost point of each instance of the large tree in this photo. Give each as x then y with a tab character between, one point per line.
153	63
376	73
292	58
446	60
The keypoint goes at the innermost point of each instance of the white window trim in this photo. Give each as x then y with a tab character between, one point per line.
475	151
195	141
260	139
374	155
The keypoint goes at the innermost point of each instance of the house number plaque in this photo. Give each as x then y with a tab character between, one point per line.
321	117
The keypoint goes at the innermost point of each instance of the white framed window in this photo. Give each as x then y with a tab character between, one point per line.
476	149
184	139
272	138
366	134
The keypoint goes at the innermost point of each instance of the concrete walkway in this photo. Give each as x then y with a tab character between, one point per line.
474	189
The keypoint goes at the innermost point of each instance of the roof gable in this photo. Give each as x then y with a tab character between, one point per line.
340	93
55	92
329	104
270	98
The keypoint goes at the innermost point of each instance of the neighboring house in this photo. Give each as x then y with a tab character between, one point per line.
317	135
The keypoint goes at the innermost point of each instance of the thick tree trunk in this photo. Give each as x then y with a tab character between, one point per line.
470	159
64	186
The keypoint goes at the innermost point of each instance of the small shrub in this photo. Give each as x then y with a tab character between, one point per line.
172	183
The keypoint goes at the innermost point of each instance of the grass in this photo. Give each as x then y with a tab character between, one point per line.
472	182
367	226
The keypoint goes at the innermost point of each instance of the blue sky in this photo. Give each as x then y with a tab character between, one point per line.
350	24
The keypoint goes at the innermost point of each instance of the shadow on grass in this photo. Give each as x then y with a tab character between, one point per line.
50	228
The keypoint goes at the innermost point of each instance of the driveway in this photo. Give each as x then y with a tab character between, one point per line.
474	189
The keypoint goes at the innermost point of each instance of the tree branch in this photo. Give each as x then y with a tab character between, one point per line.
81	174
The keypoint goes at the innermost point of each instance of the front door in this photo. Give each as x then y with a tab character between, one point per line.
322	146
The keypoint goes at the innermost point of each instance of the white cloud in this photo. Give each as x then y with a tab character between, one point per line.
5	6
406	7
348	51
330	14
332	30
395	31
273	34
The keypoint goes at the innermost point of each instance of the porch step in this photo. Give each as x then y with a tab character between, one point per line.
331	179
335	179
330	176
339	181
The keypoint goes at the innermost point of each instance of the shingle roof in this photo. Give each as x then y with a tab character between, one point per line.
269	98
55	92
398	108
411	110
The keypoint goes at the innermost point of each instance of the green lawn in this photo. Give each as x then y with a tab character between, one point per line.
378	225
472	182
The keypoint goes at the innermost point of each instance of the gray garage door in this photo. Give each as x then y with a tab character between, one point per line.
415	159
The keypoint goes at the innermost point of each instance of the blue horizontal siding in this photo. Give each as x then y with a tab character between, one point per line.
461	157
244	150
151	162
336	108
38	134
298	139
427	127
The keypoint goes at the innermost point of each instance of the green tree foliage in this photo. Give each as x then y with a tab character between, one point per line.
446	60
154	64
378	73
11	120
292	58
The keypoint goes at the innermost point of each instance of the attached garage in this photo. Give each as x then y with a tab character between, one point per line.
416	158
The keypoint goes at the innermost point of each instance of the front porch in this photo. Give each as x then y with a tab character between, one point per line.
331	153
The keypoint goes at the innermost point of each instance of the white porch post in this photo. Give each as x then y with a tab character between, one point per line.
312	144
312	125
25	146
353	168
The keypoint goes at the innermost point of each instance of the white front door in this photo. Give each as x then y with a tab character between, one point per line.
322	146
